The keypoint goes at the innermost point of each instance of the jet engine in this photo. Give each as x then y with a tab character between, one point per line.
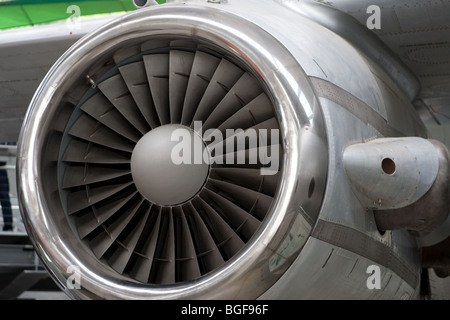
228	150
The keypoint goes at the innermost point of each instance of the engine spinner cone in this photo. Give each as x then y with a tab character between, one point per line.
167	165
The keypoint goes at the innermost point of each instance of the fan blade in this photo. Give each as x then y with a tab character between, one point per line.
86	152
75	176
102	212
135	78
228	241
248	178
253	202
103	241
104	112
157	68
164	271
145	256
203	69
256	111
88	129
115	89
243	222
180	65
238	139
208	253
79	200
225	76
122	255
244	90
187	264
86	223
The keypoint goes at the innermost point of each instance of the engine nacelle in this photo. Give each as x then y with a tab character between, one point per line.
195	151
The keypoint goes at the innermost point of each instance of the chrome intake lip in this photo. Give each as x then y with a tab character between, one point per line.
303	169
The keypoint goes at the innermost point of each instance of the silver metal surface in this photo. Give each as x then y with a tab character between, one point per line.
426	215
334	262
361	37
248	274
318	58
391	173
327	272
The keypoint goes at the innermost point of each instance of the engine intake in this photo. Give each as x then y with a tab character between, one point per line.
138	230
